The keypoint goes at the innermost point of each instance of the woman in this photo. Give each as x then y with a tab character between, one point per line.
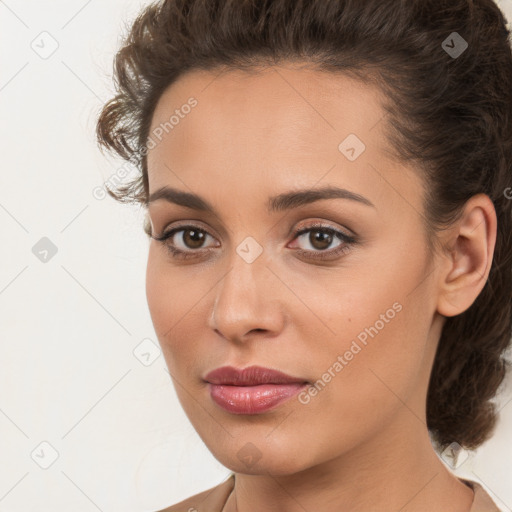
328	191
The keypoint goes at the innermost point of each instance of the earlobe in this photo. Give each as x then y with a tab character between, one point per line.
468	261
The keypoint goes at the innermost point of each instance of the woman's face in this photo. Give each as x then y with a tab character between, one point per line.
358	318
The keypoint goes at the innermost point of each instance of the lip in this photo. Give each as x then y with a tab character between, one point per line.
252	390
250	376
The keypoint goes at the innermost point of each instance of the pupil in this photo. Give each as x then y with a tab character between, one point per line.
325	239
197	238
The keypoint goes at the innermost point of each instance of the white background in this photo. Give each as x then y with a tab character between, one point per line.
69	326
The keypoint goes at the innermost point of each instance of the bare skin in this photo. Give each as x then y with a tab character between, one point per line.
361	443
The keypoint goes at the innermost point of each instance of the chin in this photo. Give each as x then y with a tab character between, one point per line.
275	467
261	457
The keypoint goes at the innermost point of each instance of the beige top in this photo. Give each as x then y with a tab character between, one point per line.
216	498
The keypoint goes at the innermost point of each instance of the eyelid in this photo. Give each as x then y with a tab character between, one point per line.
168	234
296	231
322	224
182	225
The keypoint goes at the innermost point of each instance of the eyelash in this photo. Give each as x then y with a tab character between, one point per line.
318	255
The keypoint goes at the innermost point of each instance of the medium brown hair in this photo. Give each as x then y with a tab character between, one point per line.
450	115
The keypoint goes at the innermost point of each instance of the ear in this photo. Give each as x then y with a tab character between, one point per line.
467	262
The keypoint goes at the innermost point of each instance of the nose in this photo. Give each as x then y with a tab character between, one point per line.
248	300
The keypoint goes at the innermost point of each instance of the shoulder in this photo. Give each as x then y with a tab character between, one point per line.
211	500
482	501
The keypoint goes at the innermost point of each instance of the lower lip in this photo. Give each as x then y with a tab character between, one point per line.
252	399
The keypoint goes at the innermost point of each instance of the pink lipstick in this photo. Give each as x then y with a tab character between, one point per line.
253	390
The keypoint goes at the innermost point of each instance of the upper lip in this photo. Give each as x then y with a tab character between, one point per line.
250	376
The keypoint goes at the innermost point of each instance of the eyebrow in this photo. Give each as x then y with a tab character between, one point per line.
281	202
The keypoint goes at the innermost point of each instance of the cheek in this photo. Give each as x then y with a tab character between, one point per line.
375	338
176	302
365	332
381	355
364	375
375	361
158	292
166	296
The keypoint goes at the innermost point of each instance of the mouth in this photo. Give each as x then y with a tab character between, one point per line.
253	390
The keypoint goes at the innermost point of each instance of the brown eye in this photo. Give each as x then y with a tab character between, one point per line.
315	242
193	238
320	239
185	241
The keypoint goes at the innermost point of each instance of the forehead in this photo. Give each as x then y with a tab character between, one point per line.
276	124
291	103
